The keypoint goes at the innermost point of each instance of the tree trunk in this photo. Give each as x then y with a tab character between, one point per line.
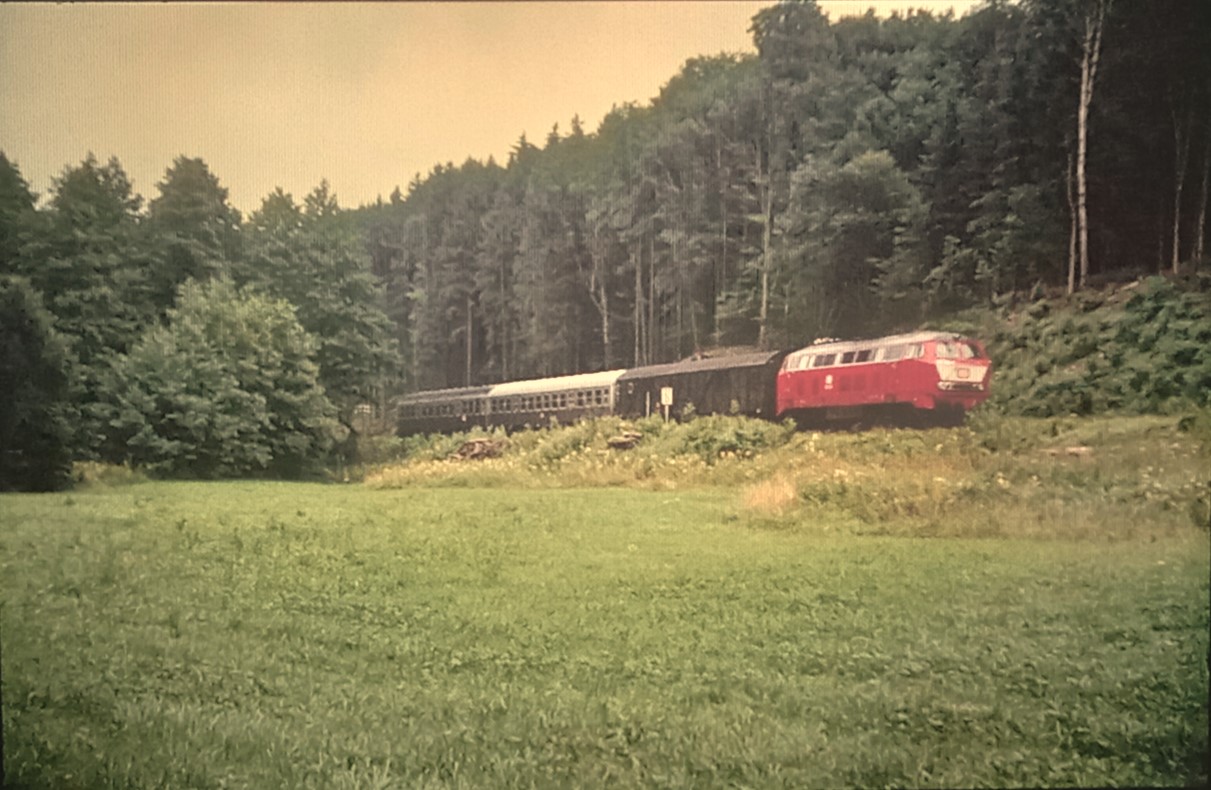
1072	233
1091	50
651	349
505	334
1200	233
469	357
767	238
637	257
605	325
1181	158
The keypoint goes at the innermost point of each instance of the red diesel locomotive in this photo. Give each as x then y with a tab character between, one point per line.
924	377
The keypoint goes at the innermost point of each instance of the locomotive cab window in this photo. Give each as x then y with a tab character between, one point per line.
957	351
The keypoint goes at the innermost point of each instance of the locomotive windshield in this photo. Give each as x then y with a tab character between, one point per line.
958	350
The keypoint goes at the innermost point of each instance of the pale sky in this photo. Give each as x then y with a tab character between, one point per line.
365	95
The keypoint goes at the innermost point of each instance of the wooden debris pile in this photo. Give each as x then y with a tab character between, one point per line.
478	449
624	441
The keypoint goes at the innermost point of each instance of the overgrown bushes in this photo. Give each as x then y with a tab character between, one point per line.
1000	475
1144	349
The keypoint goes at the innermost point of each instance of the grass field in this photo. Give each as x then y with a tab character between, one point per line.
447	634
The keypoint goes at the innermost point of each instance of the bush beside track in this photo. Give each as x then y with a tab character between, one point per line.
1139	348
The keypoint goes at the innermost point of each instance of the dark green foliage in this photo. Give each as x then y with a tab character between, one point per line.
715	436
196	231
1145	349
16	213
89	257
229	388
35	377
311	257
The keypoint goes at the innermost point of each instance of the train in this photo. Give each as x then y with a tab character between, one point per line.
922	378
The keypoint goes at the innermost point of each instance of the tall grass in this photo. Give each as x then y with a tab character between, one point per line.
1112	477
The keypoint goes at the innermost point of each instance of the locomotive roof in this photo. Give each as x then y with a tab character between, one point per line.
701	365
833	346
578	381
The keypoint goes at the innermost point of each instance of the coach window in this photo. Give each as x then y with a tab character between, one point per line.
823	360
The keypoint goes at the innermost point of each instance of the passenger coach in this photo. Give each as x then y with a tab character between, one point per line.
513	404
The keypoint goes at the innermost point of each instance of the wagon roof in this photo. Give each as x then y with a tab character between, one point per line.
578	381
446	394
702	365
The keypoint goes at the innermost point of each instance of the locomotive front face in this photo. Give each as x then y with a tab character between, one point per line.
963	372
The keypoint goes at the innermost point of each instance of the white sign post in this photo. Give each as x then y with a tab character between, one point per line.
666	400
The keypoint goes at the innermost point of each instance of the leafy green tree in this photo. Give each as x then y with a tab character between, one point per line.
89	256
228	388
196	230
312	257
858	230
16	212
90	263
35	379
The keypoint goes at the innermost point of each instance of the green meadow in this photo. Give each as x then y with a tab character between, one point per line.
985	606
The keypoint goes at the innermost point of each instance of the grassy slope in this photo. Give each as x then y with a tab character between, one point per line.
299	635
1143	347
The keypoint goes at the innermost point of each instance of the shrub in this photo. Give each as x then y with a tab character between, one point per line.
229	388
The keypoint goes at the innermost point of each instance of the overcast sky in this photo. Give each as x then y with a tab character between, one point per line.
365	95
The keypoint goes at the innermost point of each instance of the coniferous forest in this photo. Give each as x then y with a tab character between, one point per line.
849	179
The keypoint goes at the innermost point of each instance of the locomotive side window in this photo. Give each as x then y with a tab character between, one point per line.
848	357
805	361
823	360
892	353
865	355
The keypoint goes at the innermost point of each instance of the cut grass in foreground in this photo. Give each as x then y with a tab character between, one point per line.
279	635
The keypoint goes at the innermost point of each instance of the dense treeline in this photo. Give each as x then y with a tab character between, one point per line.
850	178
182	338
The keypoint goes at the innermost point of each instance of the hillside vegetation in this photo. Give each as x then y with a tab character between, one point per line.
1140	348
